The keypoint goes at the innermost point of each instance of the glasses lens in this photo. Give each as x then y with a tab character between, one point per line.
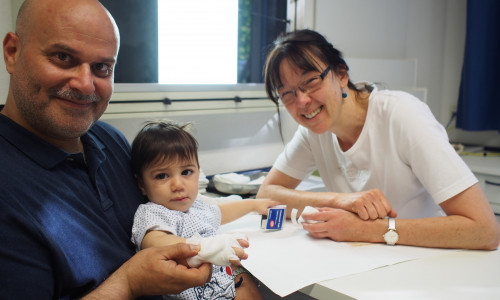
287	97
311	85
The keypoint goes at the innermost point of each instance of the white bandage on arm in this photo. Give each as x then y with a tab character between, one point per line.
217	250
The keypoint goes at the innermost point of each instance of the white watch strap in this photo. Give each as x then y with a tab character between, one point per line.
392	224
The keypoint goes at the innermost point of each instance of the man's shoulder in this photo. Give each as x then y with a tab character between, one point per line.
106	133
101	127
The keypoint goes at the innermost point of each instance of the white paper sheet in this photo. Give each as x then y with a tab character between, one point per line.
290	259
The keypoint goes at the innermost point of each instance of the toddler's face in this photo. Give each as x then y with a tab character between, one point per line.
171	184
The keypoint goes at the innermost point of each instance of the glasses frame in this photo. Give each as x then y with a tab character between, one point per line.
300	86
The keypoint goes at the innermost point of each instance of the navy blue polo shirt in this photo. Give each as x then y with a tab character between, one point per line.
65	220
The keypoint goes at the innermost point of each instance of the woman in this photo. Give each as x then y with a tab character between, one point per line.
381	155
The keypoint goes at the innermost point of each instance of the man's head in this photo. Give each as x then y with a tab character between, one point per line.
61	61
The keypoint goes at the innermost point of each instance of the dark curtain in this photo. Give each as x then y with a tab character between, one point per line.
137	21
479	98
260	23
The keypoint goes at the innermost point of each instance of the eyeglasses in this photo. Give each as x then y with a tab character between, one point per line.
308	86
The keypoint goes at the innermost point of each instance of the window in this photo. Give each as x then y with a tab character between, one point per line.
249	28
197	41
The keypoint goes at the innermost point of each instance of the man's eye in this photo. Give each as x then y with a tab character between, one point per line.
161	176
64	57
102	70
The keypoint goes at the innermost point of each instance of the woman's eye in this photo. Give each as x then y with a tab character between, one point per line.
311	83
287	97
285	94
161	176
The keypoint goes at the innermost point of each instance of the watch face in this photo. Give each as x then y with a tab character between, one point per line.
391	237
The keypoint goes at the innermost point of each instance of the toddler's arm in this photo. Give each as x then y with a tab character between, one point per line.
223	249
158	238
231	211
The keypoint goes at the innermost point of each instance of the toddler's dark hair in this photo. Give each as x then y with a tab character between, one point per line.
160	141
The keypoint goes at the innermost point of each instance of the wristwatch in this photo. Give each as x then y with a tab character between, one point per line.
391	236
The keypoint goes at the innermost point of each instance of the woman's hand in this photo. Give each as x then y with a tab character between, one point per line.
370	204
336	224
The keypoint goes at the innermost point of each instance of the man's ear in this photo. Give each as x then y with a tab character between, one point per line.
11	51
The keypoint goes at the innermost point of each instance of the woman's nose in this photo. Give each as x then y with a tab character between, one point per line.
302	99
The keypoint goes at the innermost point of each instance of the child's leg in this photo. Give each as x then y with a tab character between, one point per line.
247	288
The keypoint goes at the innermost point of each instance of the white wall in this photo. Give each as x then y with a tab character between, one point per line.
430	31
5	26
232	136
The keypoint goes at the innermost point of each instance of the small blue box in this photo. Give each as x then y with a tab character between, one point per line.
274	218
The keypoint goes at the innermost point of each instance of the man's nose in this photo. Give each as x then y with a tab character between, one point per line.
83	79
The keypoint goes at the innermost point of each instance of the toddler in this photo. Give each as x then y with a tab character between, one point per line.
165	163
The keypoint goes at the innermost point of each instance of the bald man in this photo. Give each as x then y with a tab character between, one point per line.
67	192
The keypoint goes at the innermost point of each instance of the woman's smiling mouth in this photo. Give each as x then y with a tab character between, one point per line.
314	113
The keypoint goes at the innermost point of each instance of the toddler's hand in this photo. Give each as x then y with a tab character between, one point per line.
240	252
221	250
261	205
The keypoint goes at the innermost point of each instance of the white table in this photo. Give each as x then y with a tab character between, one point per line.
454	275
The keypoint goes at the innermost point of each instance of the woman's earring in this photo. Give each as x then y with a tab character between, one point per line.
344	94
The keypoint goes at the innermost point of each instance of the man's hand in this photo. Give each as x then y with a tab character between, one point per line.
154	271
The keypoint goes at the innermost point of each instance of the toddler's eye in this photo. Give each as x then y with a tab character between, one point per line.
161	176
187	172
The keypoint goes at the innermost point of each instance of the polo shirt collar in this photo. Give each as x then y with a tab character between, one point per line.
38	150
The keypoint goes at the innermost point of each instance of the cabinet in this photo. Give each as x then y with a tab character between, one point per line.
487	171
